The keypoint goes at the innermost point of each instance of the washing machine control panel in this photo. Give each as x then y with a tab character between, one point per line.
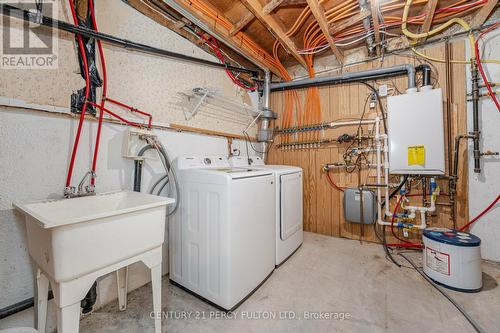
190	162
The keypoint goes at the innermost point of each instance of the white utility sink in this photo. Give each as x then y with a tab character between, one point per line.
83	238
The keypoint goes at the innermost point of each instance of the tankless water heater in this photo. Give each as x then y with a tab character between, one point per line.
416	133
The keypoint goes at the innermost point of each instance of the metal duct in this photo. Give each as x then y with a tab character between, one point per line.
265	133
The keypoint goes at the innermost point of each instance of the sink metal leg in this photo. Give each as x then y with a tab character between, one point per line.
42	291
122	284
156	286
68	318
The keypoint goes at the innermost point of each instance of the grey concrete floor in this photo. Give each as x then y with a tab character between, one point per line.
349	281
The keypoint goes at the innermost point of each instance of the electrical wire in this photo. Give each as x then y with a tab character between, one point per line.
249	141
396	190
214	45
381	107
471	321
387	249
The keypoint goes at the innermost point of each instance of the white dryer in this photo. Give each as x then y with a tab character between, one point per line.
289	205
222	239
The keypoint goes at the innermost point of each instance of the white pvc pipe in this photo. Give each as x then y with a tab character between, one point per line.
382	143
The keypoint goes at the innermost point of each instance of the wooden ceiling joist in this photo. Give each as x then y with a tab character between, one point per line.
484	13
241	24
251	43
337	27
236	42
275	29
376	24
319	14
151	11
428	11
273	4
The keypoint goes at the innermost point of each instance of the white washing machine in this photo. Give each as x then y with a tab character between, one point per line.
222	239
289	205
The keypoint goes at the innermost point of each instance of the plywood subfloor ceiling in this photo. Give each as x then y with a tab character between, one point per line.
277	34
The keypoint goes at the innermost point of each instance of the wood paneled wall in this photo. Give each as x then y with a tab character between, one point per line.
323	211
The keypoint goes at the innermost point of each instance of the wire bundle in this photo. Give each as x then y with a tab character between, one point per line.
214	45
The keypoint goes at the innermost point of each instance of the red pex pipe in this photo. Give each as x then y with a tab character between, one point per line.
104	91
482	213
132	109
87	92
480	66
115	115
332	182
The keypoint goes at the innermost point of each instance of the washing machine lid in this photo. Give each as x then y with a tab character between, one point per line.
452	237
232	173
257	163
281	169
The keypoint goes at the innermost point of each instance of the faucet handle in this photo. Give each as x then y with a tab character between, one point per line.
90	188
69	191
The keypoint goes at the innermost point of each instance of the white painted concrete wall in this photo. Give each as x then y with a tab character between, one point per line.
147	82
484	187
35	146
34	150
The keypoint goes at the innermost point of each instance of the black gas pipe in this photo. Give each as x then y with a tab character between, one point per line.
49	22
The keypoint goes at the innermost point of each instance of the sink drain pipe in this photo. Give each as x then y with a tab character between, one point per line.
20	306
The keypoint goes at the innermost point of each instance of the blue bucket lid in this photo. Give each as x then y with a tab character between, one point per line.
452	237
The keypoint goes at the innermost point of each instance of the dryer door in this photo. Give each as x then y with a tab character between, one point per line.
290	204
